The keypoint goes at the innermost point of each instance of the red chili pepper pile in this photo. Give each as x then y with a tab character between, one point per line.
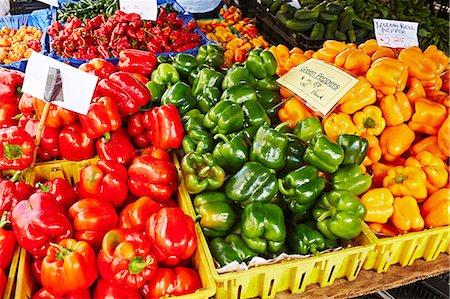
106	37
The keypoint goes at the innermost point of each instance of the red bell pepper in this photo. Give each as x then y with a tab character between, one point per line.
98	67
102	117
111	290
74	144
92	218
115	147
137	61
69	266
165	127
57	116
7	243
157	153
38	221
107	180
26	104
171	282
16	148
144	80
10	86
136	214
148	176
44	294
8	113
136	129
61	190
12	191
36	270
3	282
49	146
172	235
128	92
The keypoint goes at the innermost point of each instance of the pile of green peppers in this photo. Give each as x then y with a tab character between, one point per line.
258	187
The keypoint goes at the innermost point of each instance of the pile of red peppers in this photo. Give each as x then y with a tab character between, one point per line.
105	37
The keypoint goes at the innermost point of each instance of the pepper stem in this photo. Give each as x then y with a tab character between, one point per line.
12	151
18	116
400	178
197	218
204	171
15	177
313	250
281	126
324	215
106	137
369	123
283	190
223	137
138	264
43	187
3	220
63	251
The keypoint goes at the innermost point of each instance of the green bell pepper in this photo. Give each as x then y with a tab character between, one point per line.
201	173
155	90
180	96
302	187
263	227
193	120
269	147
165	75
253	182
211	55
254	114
217	213
238	74
270	100
206	77
194	73
229	249
231	154
351	178
261	63
197	141
324	154
239	93
355	148
338	214
304	239
184	63
308	128
294	154
268	83
208	98
224	118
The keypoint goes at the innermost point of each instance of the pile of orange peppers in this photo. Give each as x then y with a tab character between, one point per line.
236	34
401	105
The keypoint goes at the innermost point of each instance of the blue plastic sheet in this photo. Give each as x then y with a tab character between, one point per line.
40	19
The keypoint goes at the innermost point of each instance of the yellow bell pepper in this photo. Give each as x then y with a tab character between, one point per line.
415	90
370	120
406	181
361	95
396	140
434	169
369	47
444	137
339	123
440	59
383	52
436	209
432	85
438	96
388	75
428	116
406	216
353	60
429	144
379	205
420	65
379	171
330	49
374	152
293	111
396	108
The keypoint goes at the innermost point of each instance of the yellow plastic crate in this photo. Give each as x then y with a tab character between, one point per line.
12	275
26	286
405	249
293	275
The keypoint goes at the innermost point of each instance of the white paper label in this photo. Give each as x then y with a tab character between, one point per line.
319	84
78	87
51	2
396	34
147	9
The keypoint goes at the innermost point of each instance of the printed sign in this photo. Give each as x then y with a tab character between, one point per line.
319	84
51	80
147	9
396	34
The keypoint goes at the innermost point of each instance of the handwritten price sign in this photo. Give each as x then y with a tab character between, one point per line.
396	34
147	9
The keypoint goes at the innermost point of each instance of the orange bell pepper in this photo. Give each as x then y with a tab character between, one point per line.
406	181
293	111
330	49
294	60
374	152
429	144
339	123
420	65
415	90
356	61
387	229
444	137
432	85
361	95
434	169
388	75
240	55
396	108
445	77
379	171
370	120
436	209
438	96
395	141
439	58
379	205
406	216
369	47
428	117
383	52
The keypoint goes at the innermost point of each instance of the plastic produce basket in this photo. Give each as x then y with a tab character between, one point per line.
25	284
11	275
293	275
40	19
405	249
